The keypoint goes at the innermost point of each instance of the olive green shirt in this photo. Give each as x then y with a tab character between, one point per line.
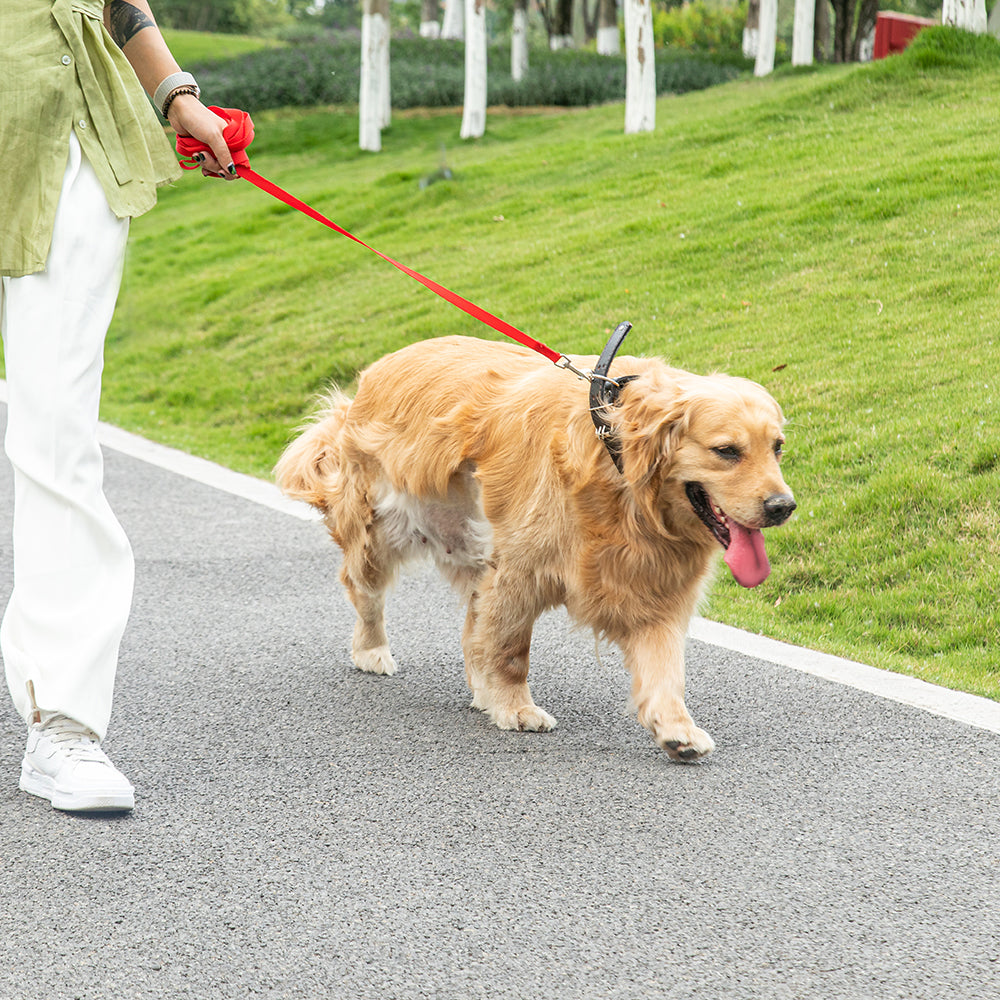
61	72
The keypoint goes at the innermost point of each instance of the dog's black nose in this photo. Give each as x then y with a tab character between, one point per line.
778	509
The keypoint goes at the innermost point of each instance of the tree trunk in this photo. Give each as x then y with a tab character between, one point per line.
454	16
751	33
474	109
864	35
519	40
853	22
970	15
821	40
430	27
561	34
640	71
385	77
843	25
608	37
803	32
374	98
767	39
578	23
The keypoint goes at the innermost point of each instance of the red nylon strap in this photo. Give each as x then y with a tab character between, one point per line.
239	134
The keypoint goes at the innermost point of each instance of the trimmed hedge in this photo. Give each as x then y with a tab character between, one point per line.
431	73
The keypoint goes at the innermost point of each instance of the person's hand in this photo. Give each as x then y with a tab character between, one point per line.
190	117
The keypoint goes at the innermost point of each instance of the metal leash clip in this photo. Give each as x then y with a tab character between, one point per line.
565	362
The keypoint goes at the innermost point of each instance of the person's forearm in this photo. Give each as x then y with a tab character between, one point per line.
132	26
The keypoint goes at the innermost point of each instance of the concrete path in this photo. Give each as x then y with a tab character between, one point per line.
303	830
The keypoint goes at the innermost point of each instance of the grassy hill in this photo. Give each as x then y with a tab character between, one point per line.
832	234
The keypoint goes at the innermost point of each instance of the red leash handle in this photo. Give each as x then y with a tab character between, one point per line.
238	134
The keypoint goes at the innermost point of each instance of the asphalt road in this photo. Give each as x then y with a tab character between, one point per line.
305	830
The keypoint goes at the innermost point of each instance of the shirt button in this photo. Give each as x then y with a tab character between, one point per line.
66	60
81	123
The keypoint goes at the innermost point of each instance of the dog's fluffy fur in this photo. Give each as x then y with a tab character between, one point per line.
483	455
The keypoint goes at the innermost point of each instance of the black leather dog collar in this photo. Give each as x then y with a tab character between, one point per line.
604	392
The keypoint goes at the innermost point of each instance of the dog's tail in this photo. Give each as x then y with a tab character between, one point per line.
309	464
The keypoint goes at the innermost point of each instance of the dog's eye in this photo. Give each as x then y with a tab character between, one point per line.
729	452
779	448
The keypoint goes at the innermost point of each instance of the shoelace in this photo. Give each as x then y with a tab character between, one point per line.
74	739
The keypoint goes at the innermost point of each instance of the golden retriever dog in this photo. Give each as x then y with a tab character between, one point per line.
484	456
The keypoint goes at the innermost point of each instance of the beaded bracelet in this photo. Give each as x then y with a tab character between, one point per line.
177	93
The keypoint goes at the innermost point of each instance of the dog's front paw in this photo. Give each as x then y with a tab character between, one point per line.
377	660
685	742
527	718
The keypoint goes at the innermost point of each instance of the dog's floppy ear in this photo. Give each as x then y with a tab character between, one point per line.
305	468
652	418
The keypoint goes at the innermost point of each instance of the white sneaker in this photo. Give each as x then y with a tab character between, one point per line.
65	764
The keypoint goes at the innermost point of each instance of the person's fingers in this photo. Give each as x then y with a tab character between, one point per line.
210	166
217	143
192	118
225	160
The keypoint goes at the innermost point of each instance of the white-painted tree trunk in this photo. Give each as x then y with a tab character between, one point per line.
519	40
767	39
970	15
385	77
557	42
374	102
608	35
640	71
751	33
454	15
866	47
609	42
430	26
474	108
803	32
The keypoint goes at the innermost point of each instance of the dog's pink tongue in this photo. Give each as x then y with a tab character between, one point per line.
746	557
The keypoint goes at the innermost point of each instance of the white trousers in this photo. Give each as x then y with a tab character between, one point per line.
73	566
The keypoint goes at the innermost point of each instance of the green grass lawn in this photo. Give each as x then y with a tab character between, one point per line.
190	47
833	235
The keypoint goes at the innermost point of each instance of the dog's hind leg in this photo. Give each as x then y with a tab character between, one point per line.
369	568
370	645
496	642
477	685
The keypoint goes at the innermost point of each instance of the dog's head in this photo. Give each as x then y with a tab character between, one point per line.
706	452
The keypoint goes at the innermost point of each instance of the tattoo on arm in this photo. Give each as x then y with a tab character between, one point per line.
126	21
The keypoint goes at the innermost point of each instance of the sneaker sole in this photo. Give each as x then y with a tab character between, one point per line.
96	800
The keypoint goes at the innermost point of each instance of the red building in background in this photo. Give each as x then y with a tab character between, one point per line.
893	32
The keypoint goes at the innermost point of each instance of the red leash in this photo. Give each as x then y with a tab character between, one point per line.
239	134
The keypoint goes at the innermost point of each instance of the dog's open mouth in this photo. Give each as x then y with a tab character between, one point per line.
745	556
